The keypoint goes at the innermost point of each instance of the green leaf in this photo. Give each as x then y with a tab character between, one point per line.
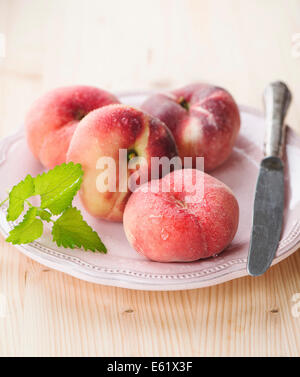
70	230
58	187
28	230
44	215
19	193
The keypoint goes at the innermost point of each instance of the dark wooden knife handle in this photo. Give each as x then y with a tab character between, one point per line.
277	98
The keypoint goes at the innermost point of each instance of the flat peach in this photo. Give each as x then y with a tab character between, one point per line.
102	134
53	118
170	227
204	120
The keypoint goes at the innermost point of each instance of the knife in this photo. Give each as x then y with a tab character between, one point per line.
269	196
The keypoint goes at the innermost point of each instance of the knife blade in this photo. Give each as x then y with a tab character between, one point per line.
269	195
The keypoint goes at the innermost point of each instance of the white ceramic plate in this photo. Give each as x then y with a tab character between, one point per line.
122	266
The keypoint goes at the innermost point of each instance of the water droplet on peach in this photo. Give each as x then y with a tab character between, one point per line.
164	235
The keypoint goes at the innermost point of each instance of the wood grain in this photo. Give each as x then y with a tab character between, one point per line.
140	44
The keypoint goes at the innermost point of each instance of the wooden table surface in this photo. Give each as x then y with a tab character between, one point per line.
142	44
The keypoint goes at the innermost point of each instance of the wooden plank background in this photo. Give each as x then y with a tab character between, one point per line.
143	44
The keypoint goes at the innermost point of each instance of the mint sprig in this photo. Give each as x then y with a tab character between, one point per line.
30	229
56	190
70	230
58	187
17	197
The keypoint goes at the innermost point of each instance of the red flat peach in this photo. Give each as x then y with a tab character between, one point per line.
204	120
97	142
170	227
53	118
